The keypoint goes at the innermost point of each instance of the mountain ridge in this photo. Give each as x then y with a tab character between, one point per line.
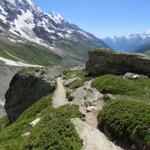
23	19
133	42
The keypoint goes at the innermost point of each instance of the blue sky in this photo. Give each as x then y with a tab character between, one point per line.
103	17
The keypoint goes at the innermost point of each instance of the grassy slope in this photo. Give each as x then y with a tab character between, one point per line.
28	52
127	117
81	74
127	120
55	131
139	89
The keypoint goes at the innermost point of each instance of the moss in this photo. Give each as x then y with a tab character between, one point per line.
126	119
103	50
29	69
81	74
54	131
117	85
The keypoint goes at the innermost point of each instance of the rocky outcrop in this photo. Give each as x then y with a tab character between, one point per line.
105	61
86	95
25	89
6	75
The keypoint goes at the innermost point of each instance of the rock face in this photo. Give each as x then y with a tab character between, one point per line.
25	89
103	62
6	75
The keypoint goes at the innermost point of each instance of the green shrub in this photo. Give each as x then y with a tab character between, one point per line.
81	74
3	122
54	131
117	85
103	50
127	120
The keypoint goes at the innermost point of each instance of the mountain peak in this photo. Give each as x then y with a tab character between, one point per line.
56	17
148	31
20	1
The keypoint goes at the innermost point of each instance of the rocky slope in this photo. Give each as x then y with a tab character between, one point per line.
24	21
105	61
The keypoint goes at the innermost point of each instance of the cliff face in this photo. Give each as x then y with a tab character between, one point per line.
25	89
6	75
107	62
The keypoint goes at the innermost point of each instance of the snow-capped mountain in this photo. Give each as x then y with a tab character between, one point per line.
24	19
133	42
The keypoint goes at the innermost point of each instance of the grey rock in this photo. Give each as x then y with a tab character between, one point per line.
131	76
6	75
108	97
86	95
102	62
25	89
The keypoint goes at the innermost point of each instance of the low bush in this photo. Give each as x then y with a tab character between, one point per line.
81	74
128	120
54	131
117	85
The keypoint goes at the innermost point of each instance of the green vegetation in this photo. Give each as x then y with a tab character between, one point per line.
78	73
139	89
28	70
128	117
28	52
104	50
128	120
54	131
81	74
3	122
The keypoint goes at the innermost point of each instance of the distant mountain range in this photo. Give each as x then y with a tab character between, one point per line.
134	42
29	34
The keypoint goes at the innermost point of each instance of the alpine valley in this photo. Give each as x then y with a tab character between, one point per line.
29	35
62	88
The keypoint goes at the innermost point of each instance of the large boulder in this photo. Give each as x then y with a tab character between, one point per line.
6	74
27	87
105	61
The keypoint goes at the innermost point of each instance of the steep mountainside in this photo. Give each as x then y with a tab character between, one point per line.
134	42
27	22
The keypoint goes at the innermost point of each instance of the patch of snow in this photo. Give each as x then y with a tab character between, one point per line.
148	31
14	57
24	24
3	11
3	18
60	34
35	122
16	63
12	40
11	1
57	18
84	34
29	2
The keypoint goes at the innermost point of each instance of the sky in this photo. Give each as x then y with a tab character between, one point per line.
103	18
